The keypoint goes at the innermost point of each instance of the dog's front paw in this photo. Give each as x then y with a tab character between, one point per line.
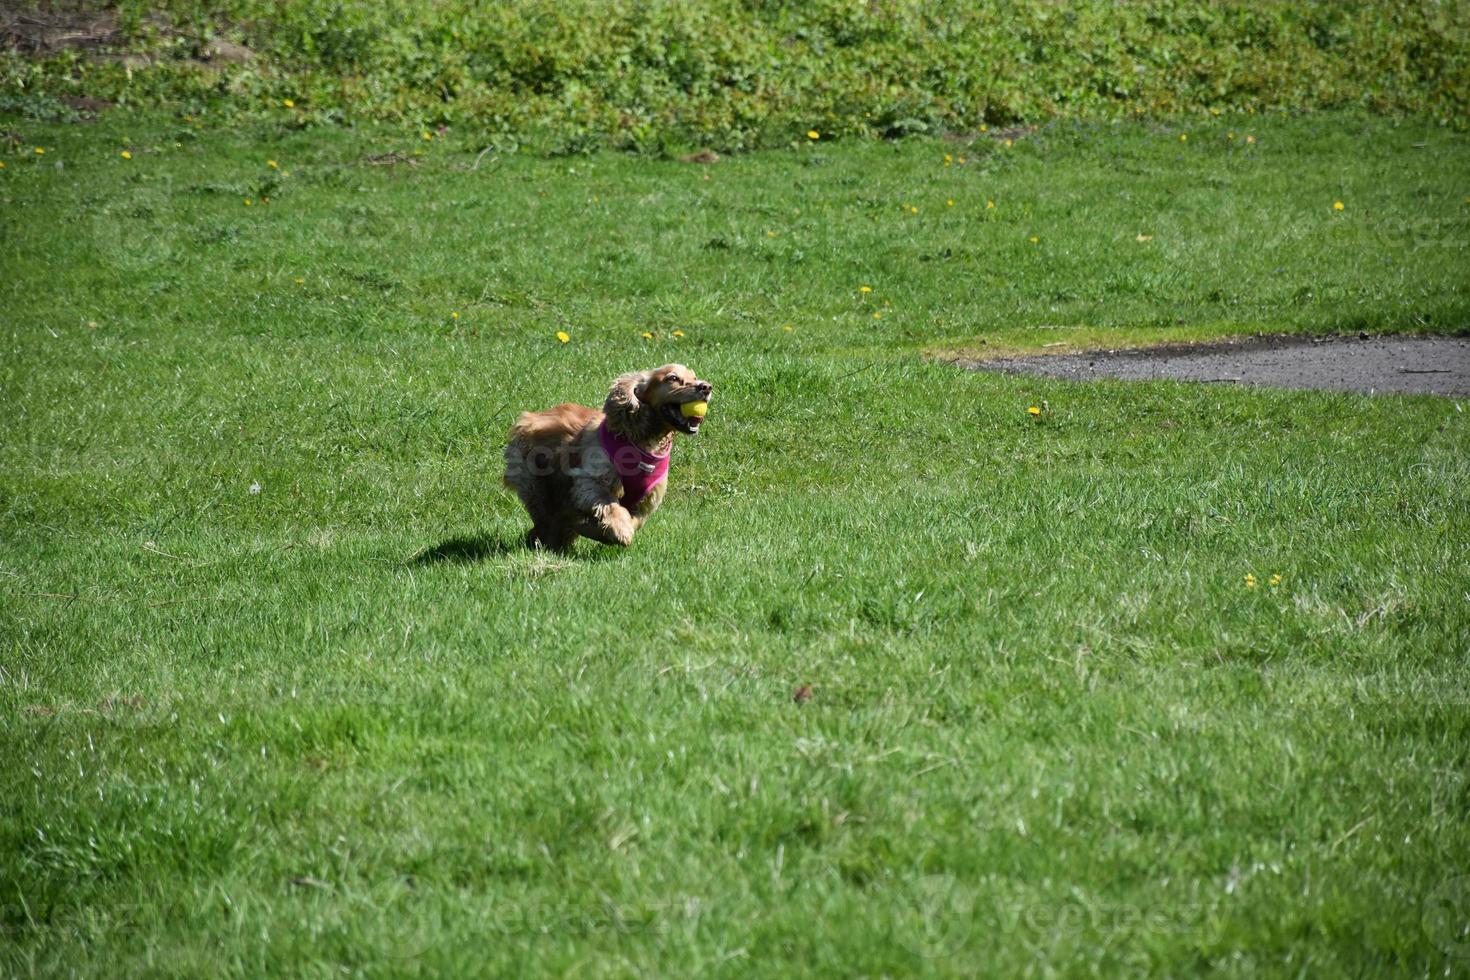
619	524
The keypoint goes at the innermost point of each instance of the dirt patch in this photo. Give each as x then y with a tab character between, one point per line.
997	134
1406	365
99	33
40	33
86	104
392	159
222	52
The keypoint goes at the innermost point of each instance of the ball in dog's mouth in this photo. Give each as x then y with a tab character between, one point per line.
686	417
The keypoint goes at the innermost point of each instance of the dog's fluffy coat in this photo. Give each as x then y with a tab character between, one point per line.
555	462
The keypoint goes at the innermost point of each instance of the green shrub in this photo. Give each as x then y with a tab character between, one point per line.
571	75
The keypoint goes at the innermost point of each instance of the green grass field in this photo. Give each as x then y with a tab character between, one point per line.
281	693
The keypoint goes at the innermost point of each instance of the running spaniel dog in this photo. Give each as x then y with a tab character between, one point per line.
602	474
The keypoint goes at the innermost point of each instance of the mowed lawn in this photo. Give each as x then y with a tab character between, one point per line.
1165	679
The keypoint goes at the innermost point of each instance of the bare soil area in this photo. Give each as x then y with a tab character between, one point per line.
1372	365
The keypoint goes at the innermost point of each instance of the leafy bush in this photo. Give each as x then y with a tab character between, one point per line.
571	75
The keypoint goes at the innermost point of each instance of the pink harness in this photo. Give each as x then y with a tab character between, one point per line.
640	471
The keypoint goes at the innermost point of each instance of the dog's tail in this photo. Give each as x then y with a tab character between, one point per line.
560	424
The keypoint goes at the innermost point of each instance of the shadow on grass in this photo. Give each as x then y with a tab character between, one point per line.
466	549
471	548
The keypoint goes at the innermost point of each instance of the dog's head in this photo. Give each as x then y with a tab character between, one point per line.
648	403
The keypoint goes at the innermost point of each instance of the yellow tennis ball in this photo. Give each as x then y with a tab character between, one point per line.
694	409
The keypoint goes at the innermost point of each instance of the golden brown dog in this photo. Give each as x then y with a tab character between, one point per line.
601	474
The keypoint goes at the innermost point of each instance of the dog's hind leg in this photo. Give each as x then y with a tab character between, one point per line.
548	530
554	537
525	473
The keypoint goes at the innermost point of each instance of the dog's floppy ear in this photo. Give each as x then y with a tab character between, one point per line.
627	392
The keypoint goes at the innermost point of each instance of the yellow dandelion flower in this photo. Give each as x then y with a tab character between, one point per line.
812	134
126	155
272	164
877	314
1010	143
40	149
1034	240
248	202
949	203
984	128
1274	581
1250	581
990	205
300	281
1337	205
865	289
1184	137
289	103
913	210
1034	411
787	327
678	333
563	336
454	314
647	335
1230	136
